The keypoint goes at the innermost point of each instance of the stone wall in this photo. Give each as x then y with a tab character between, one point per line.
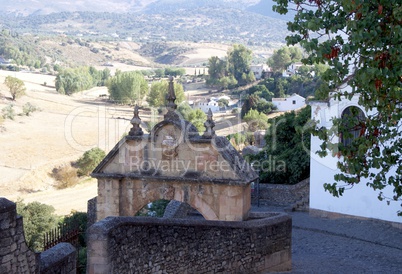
91	212
60	259
283	195
176	209
160	245
16	257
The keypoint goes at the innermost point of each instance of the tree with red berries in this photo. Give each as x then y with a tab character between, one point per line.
361	41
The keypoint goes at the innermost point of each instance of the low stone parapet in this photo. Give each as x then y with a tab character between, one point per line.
62	259
160	245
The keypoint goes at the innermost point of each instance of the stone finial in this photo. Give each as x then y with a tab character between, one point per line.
209	126
136	122
170	98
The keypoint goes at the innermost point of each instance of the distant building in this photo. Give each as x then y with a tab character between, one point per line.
4	61
206	104
292	69
260	71
292	102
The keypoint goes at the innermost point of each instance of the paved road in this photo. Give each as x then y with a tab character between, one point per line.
344	245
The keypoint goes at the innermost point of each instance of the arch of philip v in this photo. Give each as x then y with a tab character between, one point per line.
174	162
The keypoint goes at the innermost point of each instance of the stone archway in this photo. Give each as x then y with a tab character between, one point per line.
174	162
148	192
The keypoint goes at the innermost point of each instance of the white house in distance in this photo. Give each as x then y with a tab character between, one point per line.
212	103
259	70
292	69
206	104
360	200
292	102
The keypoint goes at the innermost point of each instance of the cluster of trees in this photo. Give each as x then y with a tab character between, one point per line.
232	70
127	87
224	25
132	87
195	116
256	120
71	80
283	57
285	158
40	218
175	72
157	94
23	51
257	98
305	82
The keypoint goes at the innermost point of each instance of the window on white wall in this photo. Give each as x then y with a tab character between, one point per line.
353	124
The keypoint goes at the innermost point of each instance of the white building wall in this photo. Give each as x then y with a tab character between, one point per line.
289	103
204	106
360	200
258	70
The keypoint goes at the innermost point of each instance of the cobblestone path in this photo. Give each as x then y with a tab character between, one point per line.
343	245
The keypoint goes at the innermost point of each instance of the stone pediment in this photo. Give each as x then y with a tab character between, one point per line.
175	151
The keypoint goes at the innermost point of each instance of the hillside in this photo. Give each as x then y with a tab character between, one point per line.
29	7
203	24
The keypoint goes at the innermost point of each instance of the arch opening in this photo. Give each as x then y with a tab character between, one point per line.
169	209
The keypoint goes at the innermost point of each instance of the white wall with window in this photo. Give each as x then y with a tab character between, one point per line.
292	102
205	105
359	200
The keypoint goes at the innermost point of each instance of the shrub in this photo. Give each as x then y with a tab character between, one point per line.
8	112
28	108
89	160
66	176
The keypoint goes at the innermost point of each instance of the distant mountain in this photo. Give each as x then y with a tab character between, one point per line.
264	7
173	5
27	7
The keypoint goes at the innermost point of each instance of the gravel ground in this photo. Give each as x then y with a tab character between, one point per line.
342	245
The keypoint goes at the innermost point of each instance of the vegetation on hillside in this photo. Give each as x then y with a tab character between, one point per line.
283	57
23	51
231	71
38	219
285	159
158	91
89	160
71	80
195	24
127	87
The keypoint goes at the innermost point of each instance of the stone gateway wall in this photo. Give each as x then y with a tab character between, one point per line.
159	245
